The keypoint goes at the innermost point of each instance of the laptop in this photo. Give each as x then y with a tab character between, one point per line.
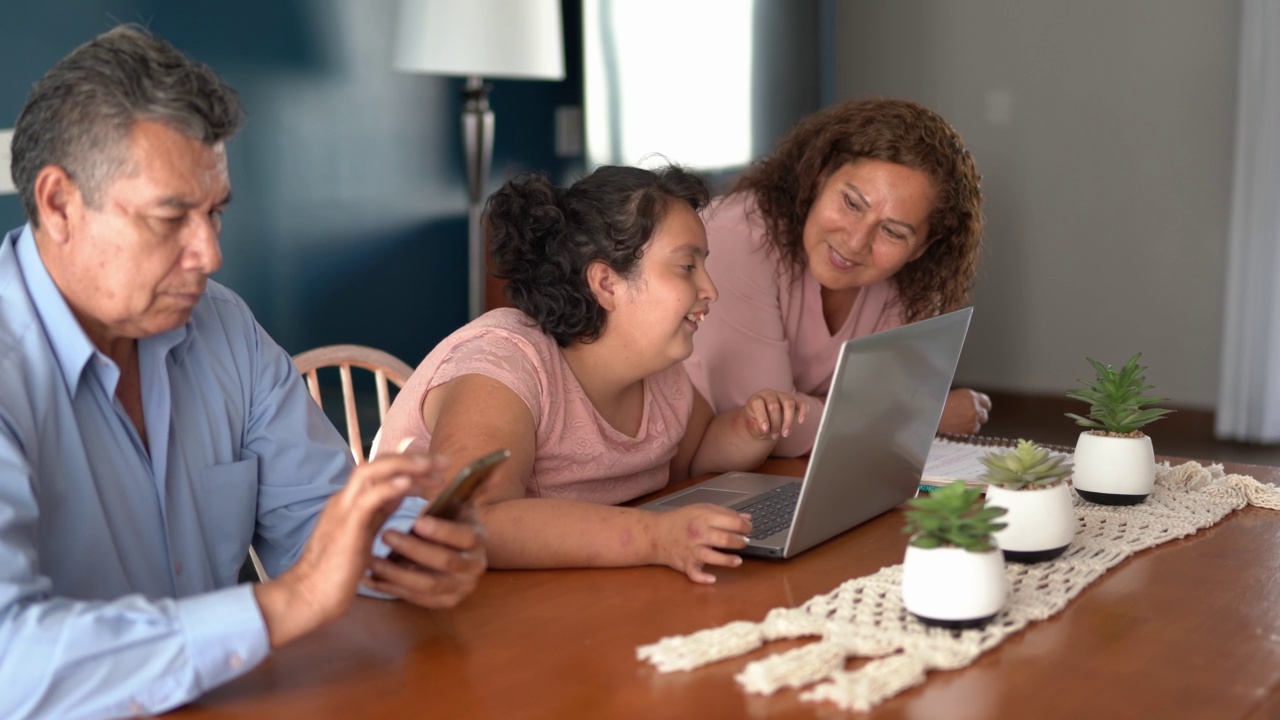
874	436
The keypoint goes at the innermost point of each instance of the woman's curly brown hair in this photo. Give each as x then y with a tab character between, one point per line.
786	184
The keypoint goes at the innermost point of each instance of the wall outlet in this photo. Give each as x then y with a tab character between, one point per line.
1000	107
569	131
6	182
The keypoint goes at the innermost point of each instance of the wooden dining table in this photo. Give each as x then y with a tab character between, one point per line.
1188	629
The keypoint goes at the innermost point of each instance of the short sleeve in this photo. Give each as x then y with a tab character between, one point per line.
500	355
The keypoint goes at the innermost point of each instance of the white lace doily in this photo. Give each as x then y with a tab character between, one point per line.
864	617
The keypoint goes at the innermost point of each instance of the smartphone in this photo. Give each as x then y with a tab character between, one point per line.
449	503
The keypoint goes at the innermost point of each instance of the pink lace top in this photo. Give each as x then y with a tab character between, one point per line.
578	455
766	331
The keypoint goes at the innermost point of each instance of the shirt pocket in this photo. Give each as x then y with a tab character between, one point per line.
228	498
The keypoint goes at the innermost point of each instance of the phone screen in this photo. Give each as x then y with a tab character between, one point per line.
449	503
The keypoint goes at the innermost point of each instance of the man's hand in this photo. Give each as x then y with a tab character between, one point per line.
446	559
320	587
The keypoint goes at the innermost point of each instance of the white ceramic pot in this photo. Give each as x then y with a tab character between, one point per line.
952	587
1113	470
1039	523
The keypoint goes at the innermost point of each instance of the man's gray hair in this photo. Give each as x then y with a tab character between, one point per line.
78	115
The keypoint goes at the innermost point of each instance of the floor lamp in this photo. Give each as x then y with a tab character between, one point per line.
479	39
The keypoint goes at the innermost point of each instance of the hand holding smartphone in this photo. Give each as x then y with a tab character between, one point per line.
449	503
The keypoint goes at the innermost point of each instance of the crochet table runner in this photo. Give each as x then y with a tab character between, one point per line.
864	616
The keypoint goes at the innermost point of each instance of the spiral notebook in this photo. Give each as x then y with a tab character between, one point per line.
959	457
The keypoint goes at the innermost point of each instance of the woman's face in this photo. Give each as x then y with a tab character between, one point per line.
870	218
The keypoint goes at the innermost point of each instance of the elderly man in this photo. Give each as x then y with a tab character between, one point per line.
150	430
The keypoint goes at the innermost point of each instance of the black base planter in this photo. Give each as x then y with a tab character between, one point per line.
1101	498
1033	556
956	624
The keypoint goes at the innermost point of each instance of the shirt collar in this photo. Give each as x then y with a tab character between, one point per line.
70	343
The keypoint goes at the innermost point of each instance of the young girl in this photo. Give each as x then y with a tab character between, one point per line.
582	380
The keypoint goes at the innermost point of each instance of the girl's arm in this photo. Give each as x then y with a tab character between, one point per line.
740	439
473	415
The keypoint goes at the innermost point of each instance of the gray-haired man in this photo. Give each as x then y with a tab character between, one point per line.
150	430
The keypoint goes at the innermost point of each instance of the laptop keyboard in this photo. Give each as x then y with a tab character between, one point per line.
773	511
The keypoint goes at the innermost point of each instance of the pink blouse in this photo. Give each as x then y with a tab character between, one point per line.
578	455
766	331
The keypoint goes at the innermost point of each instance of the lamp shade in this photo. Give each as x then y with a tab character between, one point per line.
484	38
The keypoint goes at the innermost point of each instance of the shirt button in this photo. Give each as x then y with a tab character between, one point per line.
177	567
235	661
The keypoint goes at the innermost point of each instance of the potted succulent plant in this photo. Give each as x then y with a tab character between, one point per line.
953	573
1030	483
1114	461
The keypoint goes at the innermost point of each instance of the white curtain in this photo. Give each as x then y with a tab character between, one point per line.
1249	389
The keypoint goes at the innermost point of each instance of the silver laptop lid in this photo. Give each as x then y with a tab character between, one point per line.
882	411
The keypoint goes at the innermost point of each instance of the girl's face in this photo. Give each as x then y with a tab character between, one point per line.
870	218
660	307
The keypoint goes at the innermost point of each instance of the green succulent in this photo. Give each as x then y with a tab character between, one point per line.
1028	466
1115	399
953	515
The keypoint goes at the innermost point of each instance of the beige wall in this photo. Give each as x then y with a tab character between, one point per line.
1103	131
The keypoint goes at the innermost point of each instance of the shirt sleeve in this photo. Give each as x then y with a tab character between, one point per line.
303	461
130	656
501	355
741	346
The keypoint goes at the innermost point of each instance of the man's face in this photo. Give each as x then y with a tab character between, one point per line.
137	264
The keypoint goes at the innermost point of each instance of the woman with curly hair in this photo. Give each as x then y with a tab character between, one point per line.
582	380
868	216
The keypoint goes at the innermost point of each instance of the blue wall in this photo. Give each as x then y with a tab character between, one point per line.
349	217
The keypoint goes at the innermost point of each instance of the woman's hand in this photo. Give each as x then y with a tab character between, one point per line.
965	413
688	539
769	414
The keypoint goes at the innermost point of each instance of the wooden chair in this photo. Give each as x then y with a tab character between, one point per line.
385	368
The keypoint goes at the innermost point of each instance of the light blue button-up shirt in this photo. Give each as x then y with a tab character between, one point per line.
118	567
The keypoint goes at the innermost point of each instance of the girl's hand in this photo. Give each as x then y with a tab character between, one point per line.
769	414
688	539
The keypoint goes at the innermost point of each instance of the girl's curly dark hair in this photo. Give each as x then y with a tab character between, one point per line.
786	184
543	238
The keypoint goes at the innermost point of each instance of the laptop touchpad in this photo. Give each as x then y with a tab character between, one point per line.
704	495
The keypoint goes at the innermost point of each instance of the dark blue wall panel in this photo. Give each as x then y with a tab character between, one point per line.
349	218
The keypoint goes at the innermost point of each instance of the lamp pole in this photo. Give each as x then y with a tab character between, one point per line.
477	143
479	39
